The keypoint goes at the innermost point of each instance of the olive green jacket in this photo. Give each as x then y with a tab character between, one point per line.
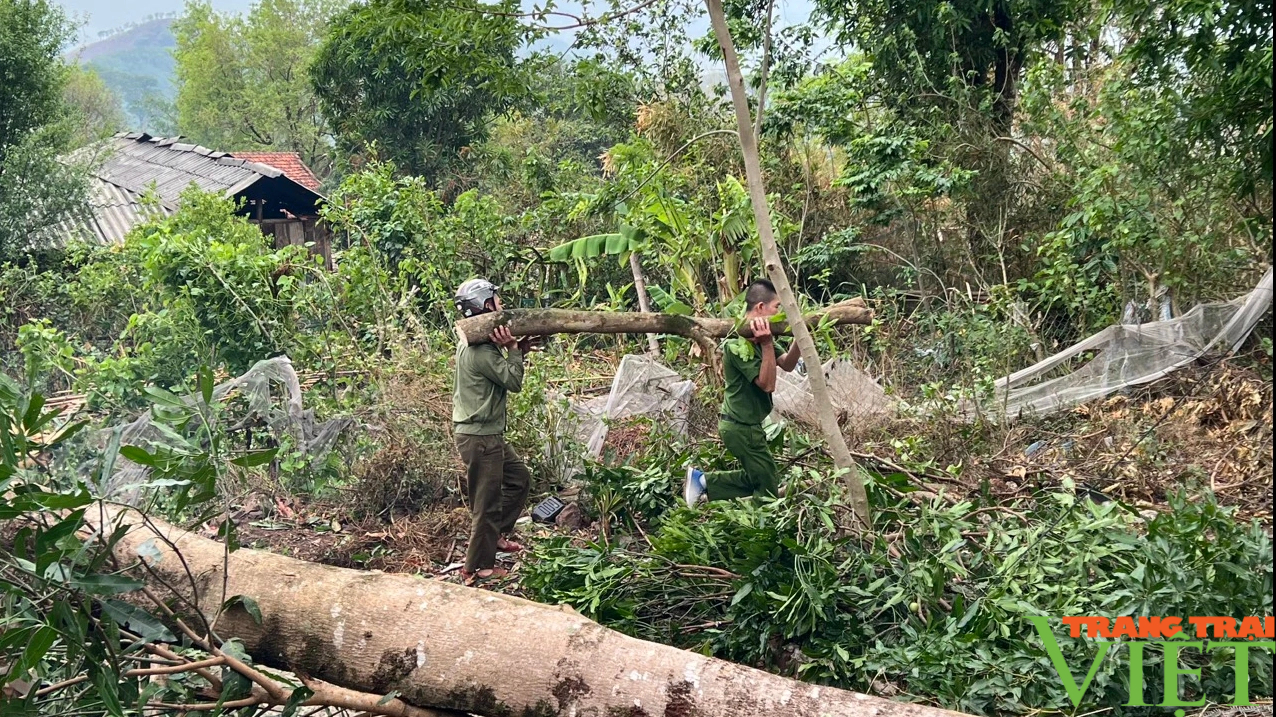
484	375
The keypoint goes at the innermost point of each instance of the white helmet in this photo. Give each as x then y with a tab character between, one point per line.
472	296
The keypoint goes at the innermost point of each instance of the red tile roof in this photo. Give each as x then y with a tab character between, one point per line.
287	162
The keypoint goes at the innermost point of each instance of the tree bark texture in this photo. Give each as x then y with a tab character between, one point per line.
775	269
445	646
541	322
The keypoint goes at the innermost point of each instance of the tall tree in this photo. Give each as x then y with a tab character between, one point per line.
96	110
923	50
1216	59
242	80
36	190
420	79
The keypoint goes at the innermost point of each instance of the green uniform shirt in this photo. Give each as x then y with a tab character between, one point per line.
744	402
483	377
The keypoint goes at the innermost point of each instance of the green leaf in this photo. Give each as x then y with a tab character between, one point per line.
164	398
31	419
668	303
137	620
37	647
389	696
206	385
742	348
742	593
617	244
150	552
139	455
46	540
107	468
66	434
12	637
109	690
299	695
249	605
55	501
106	584
256	458
596	245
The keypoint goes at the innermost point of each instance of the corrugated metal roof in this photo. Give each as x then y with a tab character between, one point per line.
138	164
138	161
114	210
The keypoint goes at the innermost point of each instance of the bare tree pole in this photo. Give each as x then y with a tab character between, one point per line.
644	304
775	269
764	72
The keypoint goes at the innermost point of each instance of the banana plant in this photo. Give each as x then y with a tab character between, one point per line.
626	244
732	227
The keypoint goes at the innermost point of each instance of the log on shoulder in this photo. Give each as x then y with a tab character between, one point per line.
542	322
444	646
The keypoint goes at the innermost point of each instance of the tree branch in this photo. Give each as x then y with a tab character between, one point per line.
580	21
766	69
542	322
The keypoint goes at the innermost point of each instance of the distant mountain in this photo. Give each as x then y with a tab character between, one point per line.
137	64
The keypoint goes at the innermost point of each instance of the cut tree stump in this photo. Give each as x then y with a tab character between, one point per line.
445	646
542	322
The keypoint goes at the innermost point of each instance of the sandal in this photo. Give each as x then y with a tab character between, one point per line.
483	575
508	546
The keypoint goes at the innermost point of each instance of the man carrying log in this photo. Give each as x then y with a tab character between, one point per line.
497	478
749	369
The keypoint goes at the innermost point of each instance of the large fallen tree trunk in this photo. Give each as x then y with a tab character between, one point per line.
542	322
445	646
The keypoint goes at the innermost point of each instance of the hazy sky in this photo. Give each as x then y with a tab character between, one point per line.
99	15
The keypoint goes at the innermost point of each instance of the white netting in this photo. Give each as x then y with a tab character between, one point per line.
853	393
280	411
1128	355
1123	355
642	387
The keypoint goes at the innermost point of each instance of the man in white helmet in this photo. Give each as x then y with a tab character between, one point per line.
498	479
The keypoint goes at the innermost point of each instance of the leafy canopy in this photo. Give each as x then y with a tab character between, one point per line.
242	81
420	79
36	191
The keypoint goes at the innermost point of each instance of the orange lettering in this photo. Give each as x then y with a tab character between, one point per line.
1150	626
1225	627
1251	627
1125	628
1171	626
1075	624
1201	623
1268	624
1104	625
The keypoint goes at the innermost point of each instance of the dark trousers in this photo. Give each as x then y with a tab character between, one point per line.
497	482
758	474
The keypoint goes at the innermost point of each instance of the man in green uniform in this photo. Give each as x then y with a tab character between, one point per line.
749	367
497	478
